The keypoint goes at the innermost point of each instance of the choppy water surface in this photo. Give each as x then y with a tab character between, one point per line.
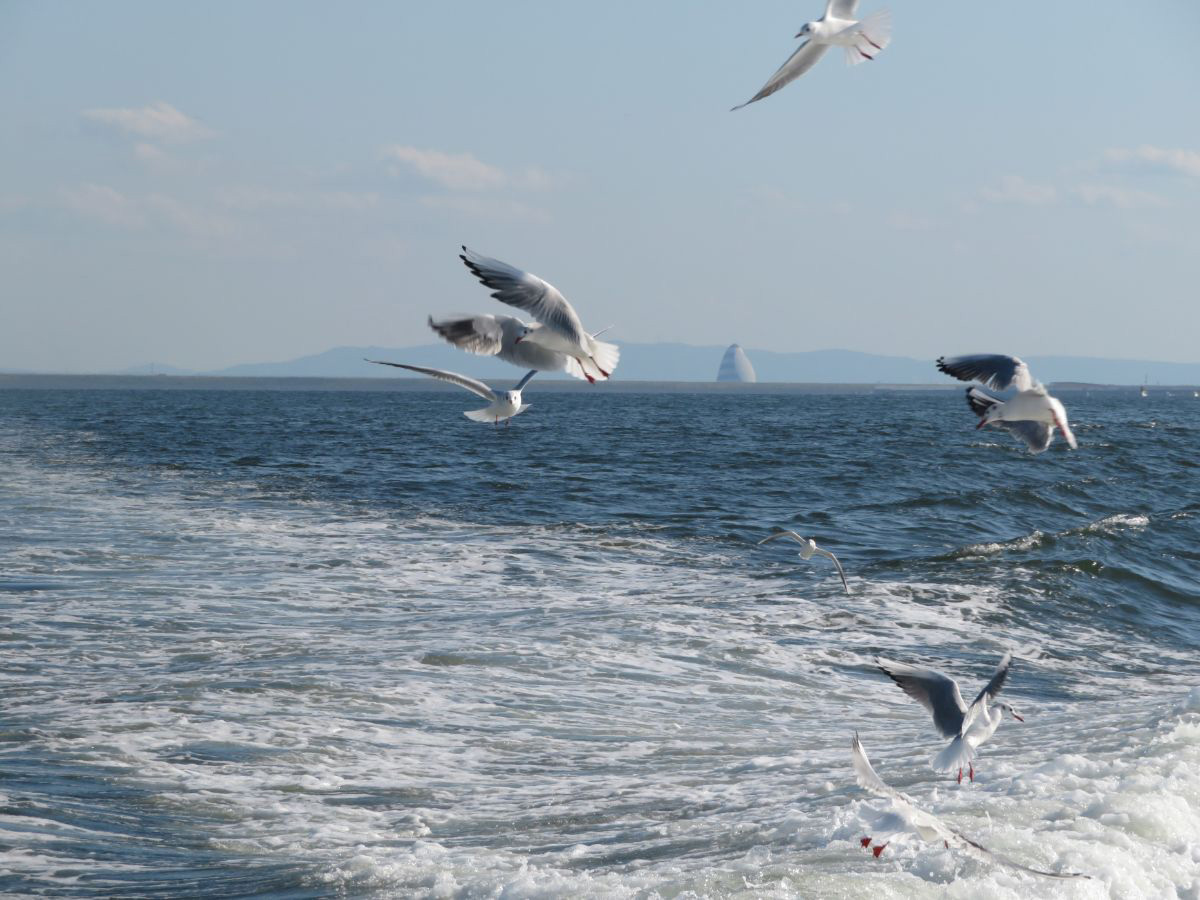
310	644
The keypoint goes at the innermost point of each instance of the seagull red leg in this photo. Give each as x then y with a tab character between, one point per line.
878	849
865	841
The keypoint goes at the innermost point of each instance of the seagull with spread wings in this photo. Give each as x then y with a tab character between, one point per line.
559	328
927	826
807	548
969	726
500	336
861	40
503	405
1031	415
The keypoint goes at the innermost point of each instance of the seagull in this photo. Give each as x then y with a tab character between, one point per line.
969	726
1031	415
488	335
504	405
807	548
927	826
861	40
560	329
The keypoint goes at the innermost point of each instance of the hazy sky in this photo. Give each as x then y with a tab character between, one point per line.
208	184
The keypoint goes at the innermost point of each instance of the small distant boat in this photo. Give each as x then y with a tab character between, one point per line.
1144	392
1196	393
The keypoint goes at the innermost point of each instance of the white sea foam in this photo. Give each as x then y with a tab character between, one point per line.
441	708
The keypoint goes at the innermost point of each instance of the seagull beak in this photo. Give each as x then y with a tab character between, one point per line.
518	340
1018	718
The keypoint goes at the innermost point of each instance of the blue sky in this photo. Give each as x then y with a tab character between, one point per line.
209	184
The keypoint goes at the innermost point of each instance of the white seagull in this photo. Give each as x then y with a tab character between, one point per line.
504	405
560	329
838	27
488	335
1031	414
927	826
807	548
969	726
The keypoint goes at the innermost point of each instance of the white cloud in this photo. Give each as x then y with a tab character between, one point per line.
189	220
1121	198
104	204
1015	189
159	122
254	199
1184	162
457	171
463	171
488	208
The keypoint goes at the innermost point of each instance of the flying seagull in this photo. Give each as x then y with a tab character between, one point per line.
807	548
500	336
560	329
969	726
1030	415
504	405
838	27
928	826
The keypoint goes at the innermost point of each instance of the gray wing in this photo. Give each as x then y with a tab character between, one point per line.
528	292
933	690
483	334
1036	435
825	552
994	370
783	533
525	380
475	387
992	688
841	9
797	64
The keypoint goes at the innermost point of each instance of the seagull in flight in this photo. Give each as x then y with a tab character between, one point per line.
500	336
560	329
503	405
927	826
861	40
969	726
1030	415
807	548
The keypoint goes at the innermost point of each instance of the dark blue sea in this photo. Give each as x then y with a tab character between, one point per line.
338	643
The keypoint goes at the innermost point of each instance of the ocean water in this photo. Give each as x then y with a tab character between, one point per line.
352	644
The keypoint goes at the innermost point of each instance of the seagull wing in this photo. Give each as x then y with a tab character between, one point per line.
525	379
475	387
990	690
797	64
825	552
927	825
526	291
841	9
936	692
867	779
1036	435
482	334
994	370
782	533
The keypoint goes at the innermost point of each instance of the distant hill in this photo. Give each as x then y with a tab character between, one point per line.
684	362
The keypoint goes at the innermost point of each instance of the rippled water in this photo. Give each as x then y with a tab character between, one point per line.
308	644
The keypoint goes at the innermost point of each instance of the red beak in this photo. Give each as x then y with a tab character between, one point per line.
1018	718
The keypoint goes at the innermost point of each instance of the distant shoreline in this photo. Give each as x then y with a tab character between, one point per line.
18	381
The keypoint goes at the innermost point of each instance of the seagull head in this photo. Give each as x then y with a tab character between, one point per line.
809	28
526	331
513	398
1008	708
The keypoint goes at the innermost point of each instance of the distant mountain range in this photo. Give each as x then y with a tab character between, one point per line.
683	362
